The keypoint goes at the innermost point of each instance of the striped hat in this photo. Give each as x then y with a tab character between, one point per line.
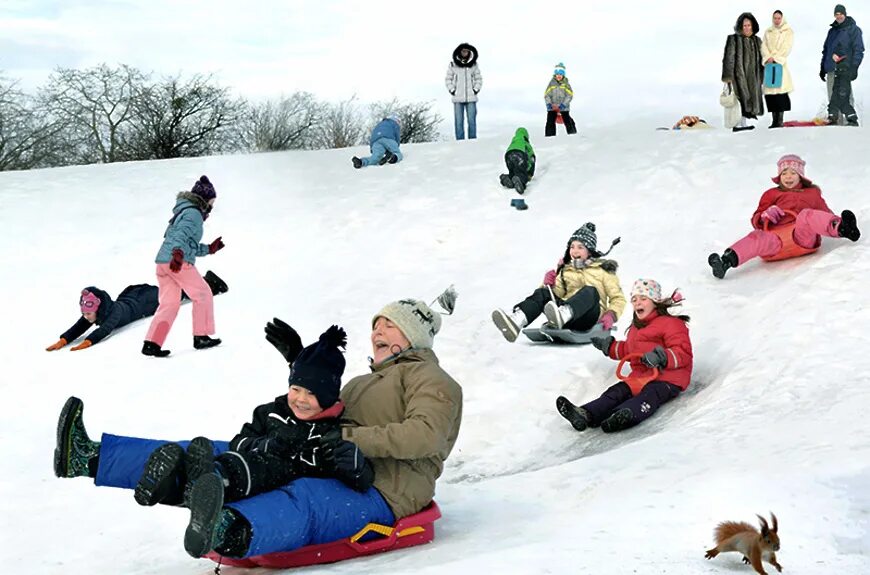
791	161
559	69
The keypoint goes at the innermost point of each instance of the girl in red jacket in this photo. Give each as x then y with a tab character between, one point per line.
663	339
794	193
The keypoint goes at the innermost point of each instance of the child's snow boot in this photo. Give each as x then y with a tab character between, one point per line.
357	163
198	462
622	419
510	325
848	227
558	315
519	186
852	120
161	480
577	416
204	342
217	285
386	158
721	264
394	158
204	530
75	455
152	349
506	181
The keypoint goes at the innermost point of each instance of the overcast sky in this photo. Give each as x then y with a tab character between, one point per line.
632	59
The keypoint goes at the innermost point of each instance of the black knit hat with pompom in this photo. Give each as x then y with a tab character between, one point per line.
319	367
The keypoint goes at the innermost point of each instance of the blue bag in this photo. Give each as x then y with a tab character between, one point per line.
773	75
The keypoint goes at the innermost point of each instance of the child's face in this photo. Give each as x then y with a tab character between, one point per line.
642	305
578	251
303	403
789	178
559	77
387	340
90	316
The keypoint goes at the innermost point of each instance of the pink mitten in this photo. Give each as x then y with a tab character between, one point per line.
607	320
550	278
773	214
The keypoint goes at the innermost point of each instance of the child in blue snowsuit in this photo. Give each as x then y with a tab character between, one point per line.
134	303
384	144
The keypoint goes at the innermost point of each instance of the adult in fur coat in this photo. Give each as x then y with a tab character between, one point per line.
778	41
742	67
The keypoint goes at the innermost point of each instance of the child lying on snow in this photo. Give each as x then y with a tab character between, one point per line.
795	193
520	161
663	340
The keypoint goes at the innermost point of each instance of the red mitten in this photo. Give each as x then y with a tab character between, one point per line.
216	245
177	260
550	278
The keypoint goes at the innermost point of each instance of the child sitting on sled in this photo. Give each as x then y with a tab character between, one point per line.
796	194
663	339
297	435
583	290
520	161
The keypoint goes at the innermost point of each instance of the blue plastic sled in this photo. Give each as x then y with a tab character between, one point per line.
773	75
548	334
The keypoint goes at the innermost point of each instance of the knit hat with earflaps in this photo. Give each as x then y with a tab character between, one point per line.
794	162
417	321
319	367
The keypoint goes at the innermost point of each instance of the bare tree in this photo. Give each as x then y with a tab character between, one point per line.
281	124
418	122
175	119
95	108
25	136
342	125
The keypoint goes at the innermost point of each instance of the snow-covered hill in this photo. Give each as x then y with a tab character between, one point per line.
775	419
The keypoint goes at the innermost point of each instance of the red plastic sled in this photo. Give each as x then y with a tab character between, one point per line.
804	124
635	383
789	248
559	119
407	532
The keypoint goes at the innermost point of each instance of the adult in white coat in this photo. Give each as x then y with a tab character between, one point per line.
777	44
463	81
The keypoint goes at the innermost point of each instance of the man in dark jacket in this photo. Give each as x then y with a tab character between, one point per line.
135	302
842	55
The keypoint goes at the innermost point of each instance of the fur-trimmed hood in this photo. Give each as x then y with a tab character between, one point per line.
197	201
471	61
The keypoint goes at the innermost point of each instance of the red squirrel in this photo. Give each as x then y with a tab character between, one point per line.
744	538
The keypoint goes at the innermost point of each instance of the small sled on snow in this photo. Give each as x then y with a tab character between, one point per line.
805	123
408	531
548	334
789	249
635	383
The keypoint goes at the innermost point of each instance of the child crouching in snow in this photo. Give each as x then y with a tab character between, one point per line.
585	291
520	161
663	340
296	435
795	193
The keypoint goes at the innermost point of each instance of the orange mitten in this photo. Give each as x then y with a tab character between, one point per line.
83	345
56	346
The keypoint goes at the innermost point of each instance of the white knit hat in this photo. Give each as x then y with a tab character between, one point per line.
417	321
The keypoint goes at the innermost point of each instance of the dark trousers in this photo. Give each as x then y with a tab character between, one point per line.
550	129
584	304
841	96
642	405
252	473
517	163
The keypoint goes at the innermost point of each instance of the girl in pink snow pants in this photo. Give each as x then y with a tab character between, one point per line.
796	194
176	271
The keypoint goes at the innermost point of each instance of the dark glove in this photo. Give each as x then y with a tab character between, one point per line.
603	344
655	358
854	74
284	338
177	260
452	92
216	245
288	439
822	75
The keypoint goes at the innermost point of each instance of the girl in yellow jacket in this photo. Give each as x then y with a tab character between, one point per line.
583	290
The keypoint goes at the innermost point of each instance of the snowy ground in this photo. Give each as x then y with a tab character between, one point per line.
775	418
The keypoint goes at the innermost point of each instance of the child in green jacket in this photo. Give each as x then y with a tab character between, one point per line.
520	161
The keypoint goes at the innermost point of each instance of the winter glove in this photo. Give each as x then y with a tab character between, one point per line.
56	346
216	245
607	320
854	74
772	214
603	344
550	278
284	338
287	440
348	462
177	260
562	107
475	91
83	345
452	92
655	358
822	75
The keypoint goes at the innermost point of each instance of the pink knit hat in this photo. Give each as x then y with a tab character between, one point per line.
652	289
89	302
791	161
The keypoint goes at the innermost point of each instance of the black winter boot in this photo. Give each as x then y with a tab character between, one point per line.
357	163
162	479
204	342
577	416
722	264
75	455
198	462
152	349
217	285
204	530
852	120
394	159
777	119
387	157
506	181
848	227
622	419
519	185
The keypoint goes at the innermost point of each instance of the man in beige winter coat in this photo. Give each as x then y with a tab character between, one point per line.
776	47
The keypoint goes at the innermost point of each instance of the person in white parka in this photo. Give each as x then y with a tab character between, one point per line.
776	47
463	81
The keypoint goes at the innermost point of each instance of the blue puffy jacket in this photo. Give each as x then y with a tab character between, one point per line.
845	39
184	230
386	128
